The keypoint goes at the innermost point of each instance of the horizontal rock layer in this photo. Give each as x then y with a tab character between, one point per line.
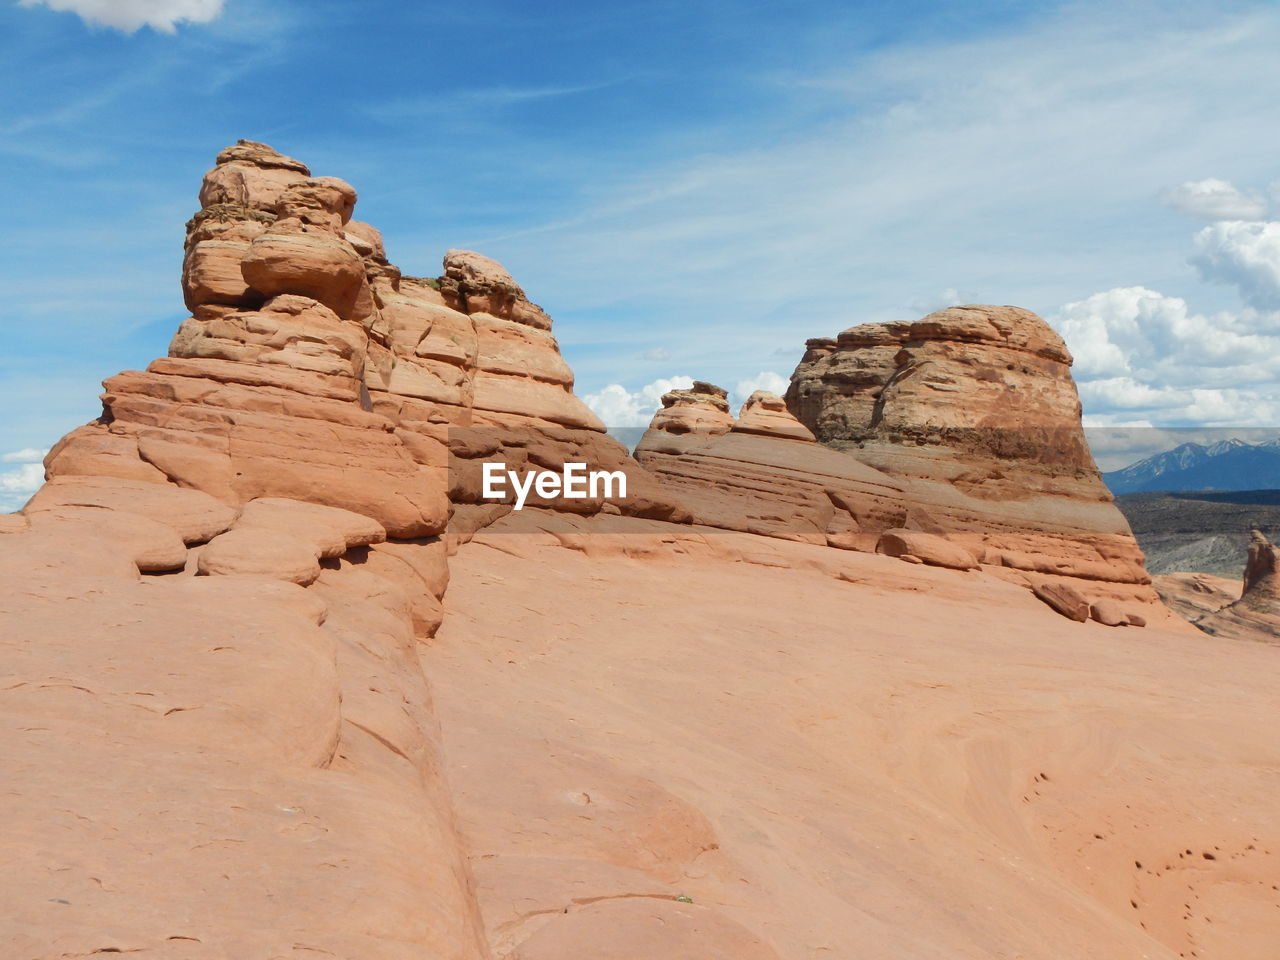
973	410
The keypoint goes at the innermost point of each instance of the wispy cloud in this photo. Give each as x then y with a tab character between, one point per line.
1015	167
1214	199
26	455
459	101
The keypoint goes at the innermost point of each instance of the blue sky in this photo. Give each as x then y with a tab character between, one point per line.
690	188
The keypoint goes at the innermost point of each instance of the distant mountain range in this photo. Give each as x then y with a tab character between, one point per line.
1226	465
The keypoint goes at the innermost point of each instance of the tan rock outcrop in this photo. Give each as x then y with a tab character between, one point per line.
974	411
701	411
925	548
765	473
1192	595
1063	598
305	414
312	370
1256	614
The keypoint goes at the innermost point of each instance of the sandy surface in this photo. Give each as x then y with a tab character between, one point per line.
842	755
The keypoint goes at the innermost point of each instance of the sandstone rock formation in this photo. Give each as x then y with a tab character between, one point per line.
1256	614
278	684
974	412
312	369
256	723
925	548
963	427
764	473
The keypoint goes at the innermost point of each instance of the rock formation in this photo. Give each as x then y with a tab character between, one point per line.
963	427
1192	595
764	473
312	369
278	683
974	412
293	465
1256	614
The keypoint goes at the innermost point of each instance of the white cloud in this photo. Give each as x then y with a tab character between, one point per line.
27	455
1213	200
764	380
619	407
132	15
1143	357
1244	255
1033	173
17	485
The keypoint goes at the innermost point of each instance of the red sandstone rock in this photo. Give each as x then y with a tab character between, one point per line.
261	552
475	284
974	411
766	414
154	546
194	516
1108	613
232	764
925	547
764	477
702	410
333	531
1256	614
1063	598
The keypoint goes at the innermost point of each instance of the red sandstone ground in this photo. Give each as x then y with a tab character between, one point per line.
840	755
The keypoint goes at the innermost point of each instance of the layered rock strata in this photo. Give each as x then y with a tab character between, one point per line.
219	739
764	472
1256	614
230	571
311	368
974	412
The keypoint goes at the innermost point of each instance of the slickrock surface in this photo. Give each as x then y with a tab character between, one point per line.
865	759
1192	595
277	684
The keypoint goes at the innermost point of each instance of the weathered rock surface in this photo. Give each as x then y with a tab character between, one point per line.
1256	614
1064	599
925	548
312	370
246	748
1192	595
235	721
973	410
764	473
701	411
822	748
1110	614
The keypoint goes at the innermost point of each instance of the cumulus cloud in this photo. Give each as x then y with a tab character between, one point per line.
1143	358
1243	255
131	15
1214	200
619	407
764	380
17	485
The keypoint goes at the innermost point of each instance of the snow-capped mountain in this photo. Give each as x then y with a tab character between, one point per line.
1230	464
